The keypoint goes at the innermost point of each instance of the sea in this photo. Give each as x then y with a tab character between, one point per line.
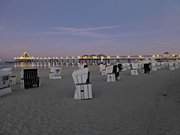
5	64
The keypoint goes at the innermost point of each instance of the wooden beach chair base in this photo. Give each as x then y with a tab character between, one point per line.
83	91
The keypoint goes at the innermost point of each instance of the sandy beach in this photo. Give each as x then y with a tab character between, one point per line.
134	105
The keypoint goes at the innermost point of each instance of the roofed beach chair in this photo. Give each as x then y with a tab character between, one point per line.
12	77
177	65
29	78
164	65
110	74
102	69
125	66
158	65
55	73
172	66
83	87
154	66
134	69
5	87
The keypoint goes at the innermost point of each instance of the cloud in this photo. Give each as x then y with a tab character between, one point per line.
73	29
112	32
94	32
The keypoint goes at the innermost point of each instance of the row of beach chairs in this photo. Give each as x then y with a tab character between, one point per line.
112	71
81	77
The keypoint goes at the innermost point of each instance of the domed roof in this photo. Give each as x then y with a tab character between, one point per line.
26	55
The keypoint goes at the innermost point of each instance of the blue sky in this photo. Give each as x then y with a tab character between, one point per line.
77	27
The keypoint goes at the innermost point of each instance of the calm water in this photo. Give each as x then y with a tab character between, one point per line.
6	65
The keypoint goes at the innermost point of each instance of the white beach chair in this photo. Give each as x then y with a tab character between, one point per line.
164	65
140	67
12	78
154	66
110	74
158	65
177	65
126	66
172	66
102	69
134	69
5	81
55	73
83	89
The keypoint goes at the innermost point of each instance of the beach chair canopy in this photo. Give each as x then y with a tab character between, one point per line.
80	76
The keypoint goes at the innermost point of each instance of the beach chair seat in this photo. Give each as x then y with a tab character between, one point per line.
30	78
55	73
5	87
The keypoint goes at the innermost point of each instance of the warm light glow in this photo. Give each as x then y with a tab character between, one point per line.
102	57
173	55
84	57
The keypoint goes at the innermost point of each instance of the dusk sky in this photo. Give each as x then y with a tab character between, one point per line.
77	27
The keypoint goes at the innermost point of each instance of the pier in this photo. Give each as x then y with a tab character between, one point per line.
27	60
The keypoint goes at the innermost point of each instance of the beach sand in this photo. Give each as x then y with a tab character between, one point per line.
135	105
